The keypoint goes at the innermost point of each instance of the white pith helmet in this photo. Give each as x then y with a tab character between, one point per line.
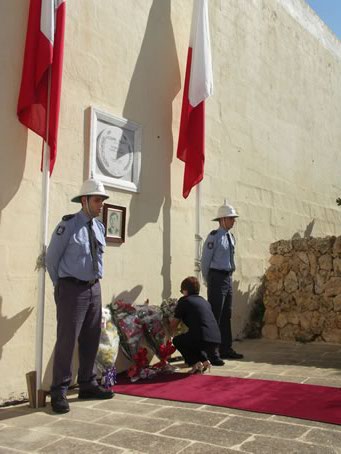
226	211
91	187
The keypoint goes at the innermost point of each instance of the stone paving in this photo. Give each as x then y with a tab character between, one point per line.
129	424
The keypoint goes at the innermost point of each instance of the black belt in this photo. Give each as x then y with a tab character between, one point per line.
221	271
79	281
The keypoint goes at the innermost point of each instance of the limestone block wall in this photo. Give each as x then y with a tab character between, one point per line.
302	290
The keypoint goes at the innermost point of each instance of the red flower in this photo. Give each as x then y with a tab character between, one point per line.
141	361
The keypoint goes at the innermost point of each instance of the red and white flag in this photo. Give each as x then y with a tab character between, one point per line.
43	60
198	87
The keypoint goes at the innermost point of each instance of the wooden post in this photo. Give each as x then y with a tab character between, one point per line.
37	399
42	398
31	380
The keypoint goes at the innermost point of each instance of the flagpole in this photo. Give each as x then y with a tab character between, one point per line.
42	273
44	218
197	237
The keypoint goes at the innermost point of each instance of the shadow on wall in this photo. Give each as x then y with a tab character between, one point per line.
129	296
13	133
9	326
243	304
154	84
307	233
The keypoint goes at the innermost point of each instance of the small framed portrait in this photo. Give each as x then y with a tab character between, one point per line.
114	220
115	151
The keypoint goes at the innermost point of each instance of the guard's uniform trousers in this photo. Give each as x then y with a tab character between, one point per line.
219	295
74	262
79	311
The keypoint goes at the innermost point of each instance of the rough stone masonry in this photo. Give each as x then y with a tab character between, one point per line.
302	293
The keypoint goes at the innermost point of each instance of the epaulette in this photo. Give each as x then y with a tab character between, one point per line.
213	232
67	217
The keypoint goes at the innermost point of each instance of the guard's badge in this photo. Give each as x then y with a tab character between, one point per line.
210	245
60	230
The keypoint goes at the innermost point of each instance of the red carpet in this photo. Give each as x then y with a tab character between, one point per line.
312	402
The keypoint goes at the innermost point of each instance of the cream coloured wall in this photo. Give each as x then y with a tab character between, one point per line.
273	142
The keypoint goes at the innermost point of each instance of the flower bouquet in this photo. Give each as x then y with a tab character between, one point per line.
138	327
152	320
167	309
107	351
128	327
131	336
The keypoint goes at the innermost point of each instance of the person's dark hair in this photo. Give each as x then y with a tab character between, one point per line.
191	284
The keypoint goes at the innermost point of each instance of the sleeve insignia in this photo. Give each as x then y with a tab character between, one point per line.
60	230
210	245
213	232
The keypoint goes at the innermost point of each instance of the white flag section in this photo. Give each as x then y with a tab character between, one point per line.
201	78
47	19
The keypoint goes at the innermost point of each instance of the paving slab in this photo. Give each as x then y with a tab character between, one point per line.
25	439
78	429
75	446
145	442
172	403
236	411
213	435
324	437
266	427
137	422
203	448
206	418
273	445
305	422
133	408
9	451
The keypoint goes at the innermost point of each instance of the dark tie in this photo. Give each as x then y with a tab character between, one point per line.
231	248
93	247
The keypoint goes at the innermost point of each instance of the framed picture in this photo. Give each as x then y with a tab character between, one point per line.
115	151
114	220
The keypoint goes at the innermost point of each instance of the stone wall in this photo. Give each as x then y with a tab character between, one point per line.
302	290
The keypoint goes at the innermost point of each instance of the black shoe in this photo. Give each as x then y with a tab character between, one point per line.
60	404
231	354
97	392
217	362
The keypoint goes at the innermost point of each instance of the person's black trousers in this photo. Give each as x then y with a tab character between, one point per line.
219	295
79	314
193	350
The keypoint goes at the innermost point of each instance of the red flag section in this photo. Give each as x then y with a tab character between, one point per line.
198	87
43	60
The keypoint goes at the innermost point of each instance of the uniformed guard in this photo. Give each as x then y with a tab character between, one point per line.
217	266
75	264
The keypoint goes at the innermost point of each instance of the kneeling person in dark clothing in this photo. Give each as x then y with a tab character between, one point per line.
203	336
